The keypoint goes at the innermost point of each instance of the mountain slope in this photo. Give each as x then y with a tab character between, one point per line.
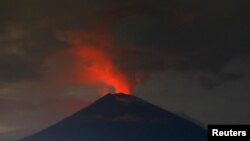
119	117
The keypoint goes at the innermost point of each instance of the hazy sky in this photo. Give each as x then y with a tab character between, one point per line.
190	57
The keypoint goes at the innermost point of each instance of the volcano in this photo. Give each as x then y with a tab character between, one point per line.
121	117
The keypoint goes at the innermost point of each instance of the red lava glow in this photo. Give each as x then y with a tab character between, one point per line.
97	69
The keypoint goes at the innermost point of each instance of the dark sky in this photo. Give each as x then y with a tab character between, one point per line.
193	56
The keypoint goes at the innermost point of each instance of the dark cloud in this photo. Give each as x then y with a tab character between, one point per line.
206	45
22	55
218	79
14	68
42	43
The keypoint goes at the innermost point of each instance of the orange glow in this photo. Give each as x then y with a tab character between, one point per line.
97	69
95	62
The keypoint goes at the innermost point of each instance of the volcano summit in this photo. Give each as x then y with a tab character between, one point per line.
121	117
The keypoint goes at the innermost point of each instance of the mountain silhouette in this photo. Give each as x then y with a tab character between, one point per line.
121	117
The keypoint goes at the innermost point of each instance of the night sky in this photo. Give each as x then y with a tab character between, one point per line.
190	57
